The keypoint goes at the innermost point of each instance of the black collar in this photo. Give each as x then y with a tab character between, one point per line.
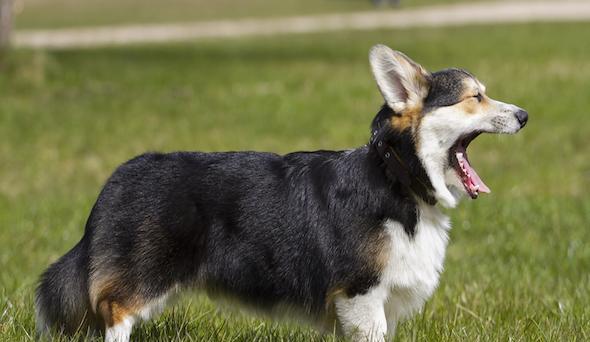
397	170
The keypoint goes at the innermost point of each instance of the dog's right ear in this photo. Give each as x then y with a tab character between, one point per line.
403	83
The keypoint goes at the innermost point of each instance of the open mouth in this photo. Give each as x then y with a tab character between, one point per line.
460	162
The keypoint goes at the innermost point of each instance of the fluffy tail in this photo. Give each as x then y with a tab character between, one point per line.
61	301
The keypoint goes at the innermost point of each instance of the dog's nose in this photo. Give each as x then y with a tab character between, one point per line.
522	116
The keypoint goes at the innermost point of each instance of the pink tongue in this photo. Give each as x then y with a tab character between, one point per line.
475	177
473	180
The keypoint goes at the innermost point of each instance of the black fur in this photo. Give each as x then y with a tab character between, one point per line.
446	88
405	147
267	228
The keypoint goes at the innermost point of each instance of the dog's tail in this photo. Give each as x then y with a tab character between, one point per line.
61	300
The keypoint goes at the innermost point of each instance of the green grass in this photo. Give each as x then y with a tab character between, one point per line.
517	266
67	13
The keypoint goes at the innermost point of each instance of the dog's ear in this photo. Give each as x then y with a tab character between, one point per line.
403	83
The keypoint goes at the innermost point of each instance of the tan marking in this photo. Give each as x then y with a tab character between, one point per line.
104	311
379	250
113	312
410	118
100	287
111	304
104	293
332	294
470	105
374	253
329	320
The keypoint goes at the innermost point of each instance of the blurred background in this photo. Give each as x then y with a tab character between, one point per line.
86	85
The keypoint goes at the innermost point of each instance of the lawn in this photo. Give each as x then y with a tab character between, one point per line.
67	13
518	264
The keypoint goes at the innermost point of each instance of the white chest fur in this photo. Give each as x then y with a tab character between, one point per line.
415	263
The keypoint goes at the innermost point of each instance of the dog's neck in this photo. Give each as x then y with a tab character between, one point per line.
396	153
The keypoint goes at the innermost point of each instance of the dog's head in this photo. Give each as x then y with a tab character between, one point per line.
441	112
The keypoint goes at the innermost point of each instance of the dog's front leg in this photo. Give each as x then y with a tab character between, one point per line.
362	317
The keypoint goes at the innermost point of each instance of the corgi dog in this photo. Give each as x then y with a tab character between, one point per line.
355	239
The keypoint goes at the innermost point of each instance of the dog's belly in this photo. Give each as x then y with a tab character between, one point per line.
414	263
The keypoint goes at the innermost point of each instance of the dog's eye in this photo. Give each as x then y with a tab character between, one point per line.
479	97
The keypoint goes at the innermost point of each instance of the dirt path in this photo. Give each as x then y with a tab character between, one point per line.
436	16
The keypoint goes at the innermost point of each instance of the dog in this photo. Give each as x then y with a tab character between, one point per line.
353	238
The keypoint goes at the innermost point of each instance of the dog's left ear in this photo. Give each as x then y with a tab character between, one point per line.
403	83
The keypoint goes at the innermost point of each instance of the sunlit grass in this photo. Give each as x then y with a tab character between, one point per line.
517	266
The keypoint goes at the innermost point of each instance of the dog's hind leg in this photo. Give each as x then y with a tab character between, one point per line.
119	307
118	318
